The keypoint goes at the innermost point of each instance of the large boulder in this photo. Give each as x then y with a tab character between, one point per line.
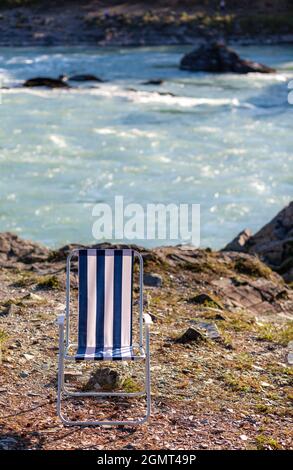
238	243
14	249
218	58
273	243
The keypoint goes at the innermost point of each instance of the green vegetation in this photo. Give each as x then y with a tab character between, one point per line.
241	383
3	339
264	442
263	409
242	361
227	340
130	386
49	282
209	265
28	300
281	334
26	279
222	22
238	321
252	267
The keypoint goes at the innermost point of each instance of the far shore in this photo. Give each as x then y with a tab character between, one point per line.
73	23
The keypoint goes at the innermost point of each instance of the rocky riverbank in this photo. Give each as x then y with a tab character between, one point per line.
42	23
221	353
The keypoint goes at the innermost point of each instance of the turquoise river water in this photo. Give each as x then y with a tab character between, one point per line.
223	141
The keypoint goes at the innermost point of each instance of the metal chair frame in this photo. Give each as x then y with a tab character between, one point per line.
65	344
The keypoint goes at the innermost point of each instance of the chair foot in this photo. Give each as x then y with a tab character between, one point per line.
136	422
102	394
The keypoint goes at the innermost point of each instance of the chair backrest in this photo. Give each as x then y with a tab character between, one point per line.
105	300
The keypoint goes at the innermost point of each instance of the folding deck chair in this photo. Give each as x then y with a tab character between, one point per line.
104	322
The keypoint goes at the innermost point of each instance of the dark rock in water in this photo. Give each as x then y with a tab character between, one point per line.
218	58
190	335
131	89
85	78
153	82
166	93
162	93
46	82
238	243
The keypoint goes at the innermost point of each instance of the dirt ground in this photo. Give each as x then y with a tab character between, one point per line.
229	389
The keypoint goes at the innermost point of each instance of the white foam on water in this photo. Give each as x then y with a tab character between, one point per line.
143	97
132	133
58	140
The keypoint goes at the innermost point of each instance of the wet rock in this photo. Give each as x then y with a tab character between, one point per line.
153	82
104	378
166	93
152	280
218	58
191	335
85	78
46	82
238	243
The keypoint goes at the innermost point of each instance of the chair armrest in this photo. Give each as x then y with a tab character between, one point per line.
147	320
60	320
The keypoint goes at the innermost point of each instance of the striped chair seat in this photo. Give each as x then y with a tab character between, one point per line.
105	305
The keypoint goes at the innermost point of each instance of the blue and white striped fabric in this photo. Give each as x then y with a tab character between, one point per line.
105	305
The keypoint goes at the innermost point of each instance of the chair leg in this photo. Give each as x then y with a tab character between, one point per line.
68	422
60	372
148	375
61	389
